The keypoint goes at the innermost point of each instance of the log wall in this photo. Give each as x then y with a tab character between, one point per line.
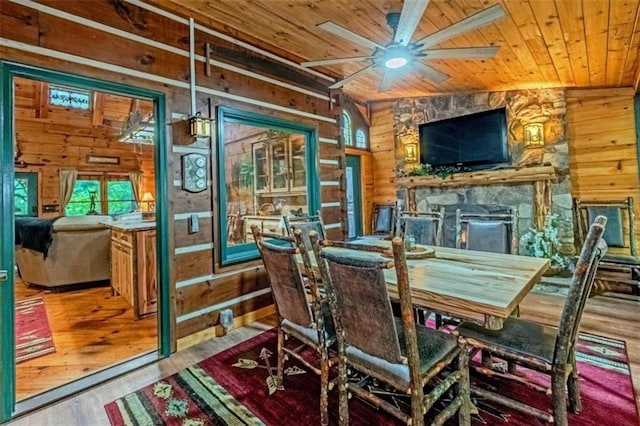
603	149
134	45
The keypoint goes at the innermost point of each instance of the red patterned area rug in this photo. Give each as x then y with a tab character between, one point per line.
33	334
237	387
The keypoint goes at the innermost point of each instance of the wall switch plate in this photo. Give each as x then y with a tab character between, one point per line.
194	224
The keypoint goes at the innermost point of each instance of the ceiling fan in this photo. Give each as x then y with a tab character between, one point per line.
400	53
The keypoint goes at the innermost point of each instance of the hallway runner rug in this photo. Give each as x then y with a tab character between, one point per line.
33	334
237	387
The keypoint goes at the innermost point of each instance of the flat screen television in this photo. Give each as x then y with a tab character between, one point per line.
474	141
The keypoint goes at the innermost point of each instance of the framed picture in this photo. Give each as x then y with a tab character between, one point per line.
102	159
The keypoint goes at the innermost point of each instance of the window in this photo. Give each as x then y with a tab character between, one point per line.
347	128
361	139
101	194
25	194
267	169
71	98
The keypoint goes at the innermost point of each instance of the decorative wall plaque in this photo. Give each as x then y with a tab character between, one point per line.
194	172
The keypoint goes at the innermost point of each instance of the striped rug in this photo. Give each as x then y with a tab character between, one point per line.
190	398
33	334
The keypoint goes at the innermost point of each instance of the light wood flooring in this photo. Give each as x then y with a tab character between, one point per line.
609	316
92	330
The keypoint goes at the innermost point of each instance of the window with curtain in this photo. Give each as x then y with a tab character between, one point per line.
101	194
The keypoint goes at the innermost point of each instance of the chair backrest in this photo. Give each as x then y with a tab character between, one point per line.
355	283
593	249
620	231
426	227
306	224
285	278
383	218
487	231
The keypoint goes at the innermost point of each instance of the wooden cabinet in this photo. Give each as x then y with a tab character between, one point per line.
280	165
133	268
271	224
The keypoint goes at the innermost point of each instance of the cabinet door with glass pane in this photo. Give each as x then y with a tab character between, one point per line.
298	163
261	172
279	165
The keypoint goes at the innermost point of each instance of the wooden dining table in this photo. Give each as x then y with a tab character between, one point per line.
471	285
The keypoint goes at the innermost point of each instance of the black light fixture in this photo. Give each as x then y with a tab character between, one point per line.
199	126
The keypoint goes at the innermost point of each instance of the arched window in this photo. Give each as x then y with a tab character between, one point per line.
347	128
361	139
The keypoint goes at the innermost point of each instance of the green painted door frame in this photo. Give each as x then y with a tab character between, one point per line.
8	71
354	196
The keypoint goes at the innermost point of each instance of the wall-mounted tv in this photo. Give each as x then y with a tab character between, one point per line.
474	141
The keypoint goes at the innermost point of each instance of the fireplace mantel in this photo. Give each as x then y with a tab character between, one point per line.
481	177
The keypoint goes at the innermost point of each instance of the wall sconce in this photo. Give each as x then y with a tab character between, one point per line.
533	135
411	152
199	126
149	200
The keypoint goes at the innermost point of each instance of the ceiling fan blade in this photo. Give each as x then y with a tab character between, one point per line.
410	17
462	52
334	61
347	79
478	20
387	79
430	72
345	33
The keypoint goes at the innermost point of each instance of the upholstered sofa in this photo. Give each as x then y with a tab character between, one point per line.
79	252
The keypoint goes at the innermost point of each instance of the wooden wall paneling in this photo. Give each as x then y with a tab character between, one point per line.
193	264
219	289
19	23
603	159
212	319
184	239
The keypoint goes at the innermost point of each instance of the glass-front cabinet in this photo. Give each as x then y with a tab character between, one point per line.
267	170
279	164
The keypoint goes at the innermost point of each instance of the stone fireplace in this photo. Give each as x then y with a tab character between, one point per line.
536	182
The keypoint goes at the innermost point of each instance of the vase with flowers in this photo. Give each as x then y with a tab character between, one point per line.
544	243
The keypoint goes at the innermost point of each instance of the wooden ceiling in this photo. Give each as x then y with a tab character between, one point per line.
543	43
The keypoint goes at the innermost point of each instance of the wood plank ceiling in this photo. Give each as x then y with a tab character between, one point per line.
543	43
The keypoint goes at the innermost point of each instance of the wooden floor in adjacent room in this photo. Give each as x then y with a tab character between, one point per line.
91	329
614	317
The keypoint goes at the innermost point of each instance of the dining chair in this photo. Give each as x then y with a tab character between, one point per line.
541	347
619	270
383	221
426	227
306	319
491	232
420	363
306	224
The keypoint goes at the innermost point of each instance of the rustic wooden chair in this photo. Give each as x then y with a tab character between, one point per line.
541	347
425	227
410	358
306	224
383	221
619	270
308	320
487	231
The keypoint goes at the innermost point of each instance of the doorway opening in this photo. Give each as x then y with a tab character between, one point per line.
85	297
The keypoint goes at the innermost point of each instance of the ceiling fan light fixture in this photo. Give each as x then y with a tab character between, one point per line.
396	58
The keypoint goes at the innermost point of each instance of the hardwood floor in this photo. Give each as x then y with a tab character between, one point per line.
92	330
604	315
